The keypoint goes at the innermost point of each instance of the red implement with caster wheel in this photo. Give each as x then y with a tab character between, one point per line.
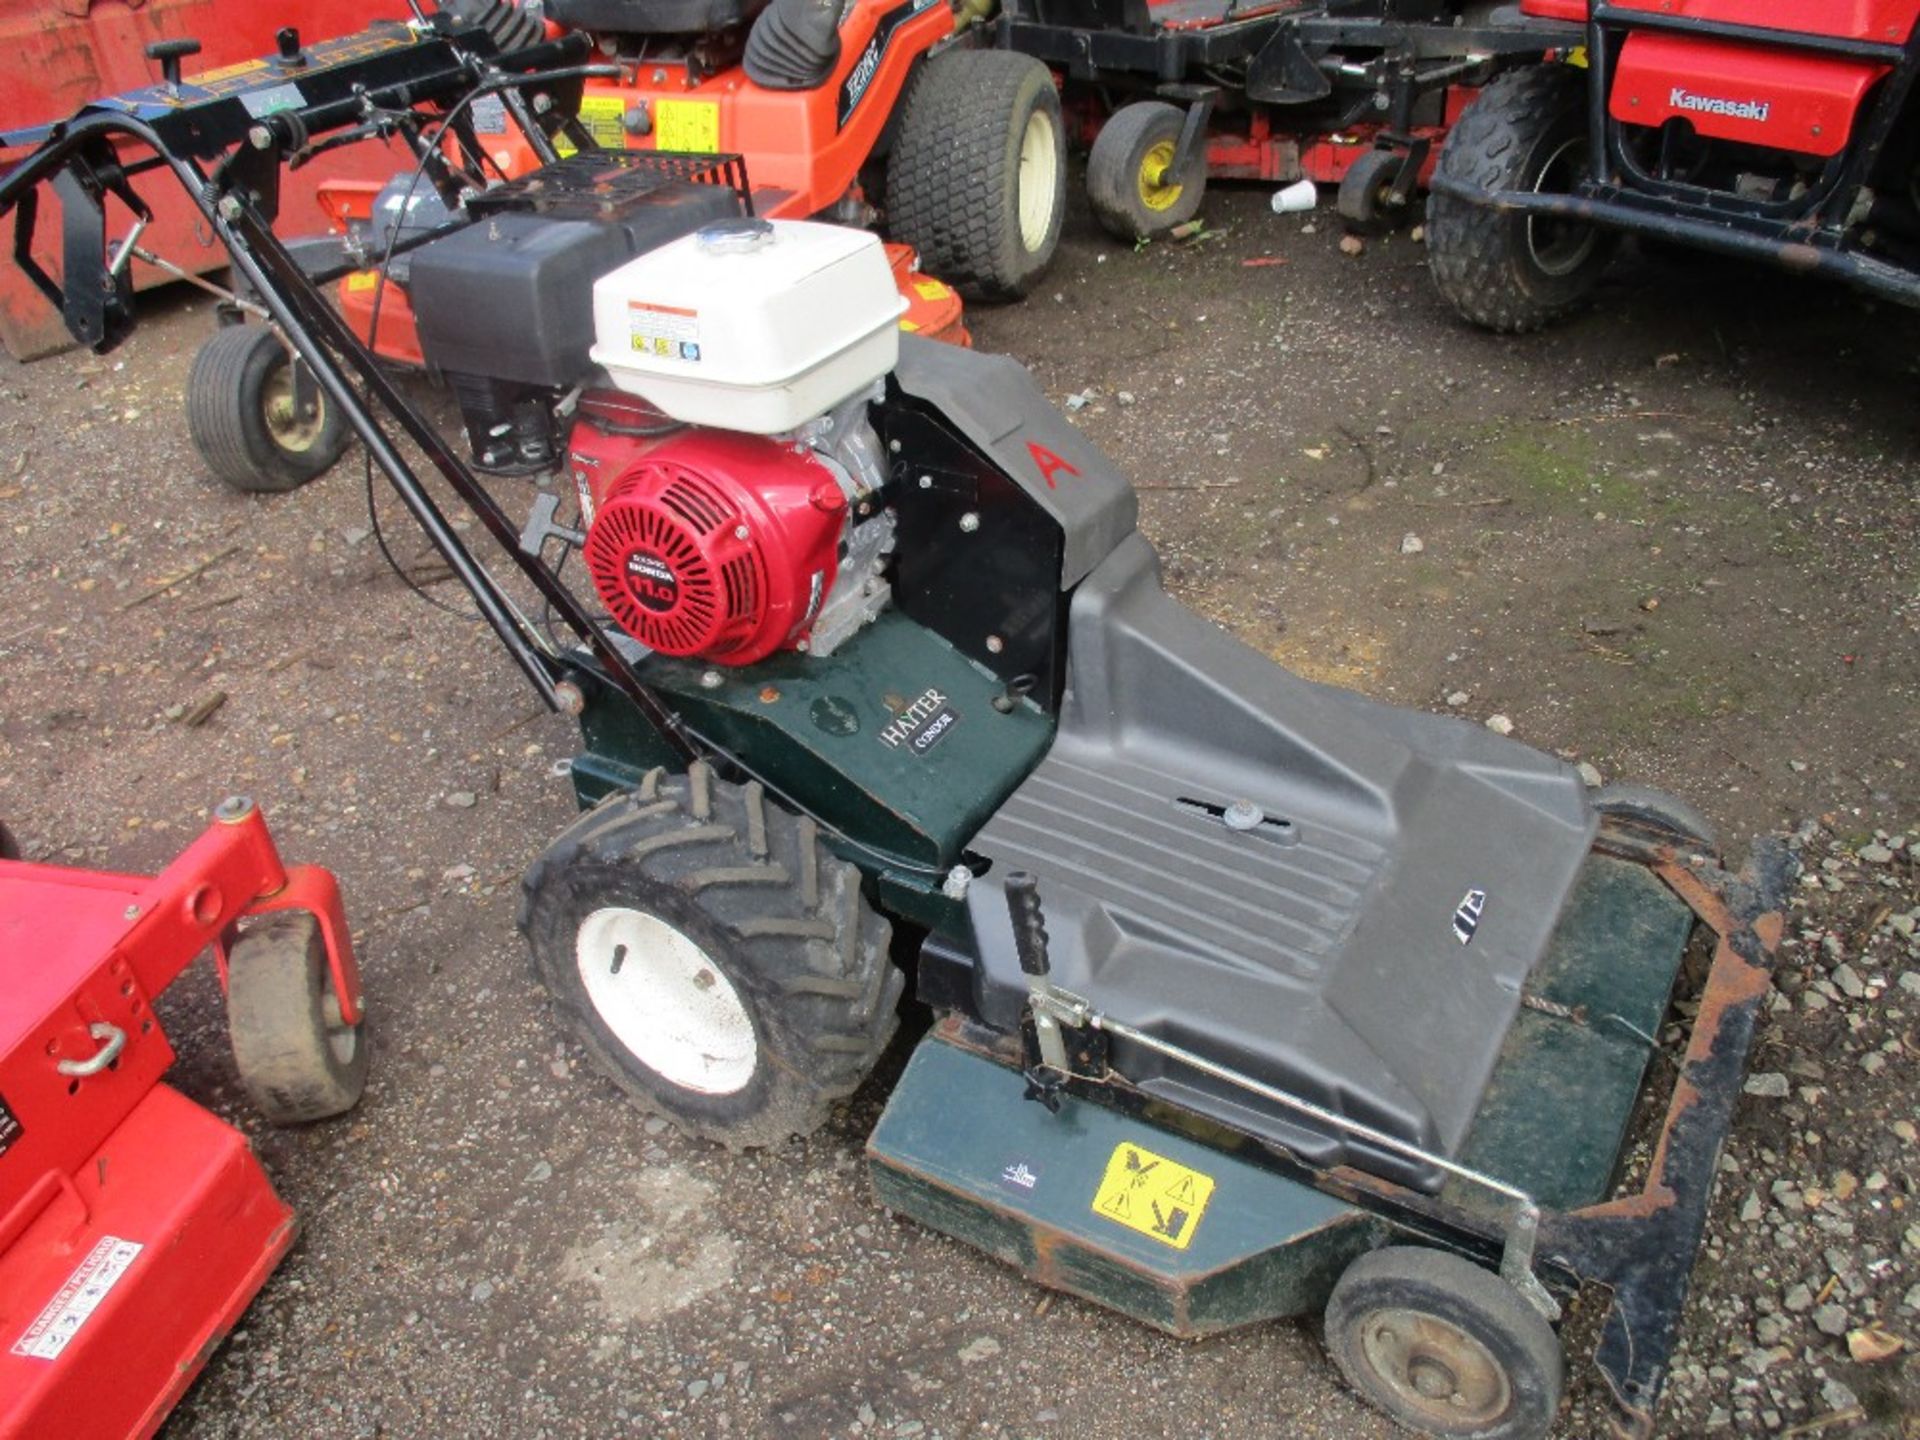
135	1226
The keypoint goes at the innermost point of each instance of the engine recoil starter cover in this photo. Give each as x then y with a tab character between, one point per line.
717	545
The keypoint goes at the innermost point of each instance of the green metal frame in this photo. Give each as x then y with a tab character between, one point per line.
811	729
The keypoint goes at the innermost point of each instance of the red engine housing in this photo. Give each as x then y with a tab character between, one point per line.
713	544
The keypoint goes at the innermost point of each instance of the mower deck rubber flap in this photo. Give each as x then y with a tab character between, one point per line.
1130	1215
1362	941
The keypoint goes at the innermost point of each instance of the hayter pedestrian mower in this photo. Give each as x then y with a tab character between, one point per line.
1253	996
1787	134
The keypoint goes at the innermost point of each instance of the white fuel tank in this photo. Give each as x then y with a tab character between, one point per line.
750	325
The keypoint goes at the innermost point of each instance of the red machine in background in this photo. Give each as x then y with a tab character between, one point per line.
135	1227
851	114
1783	131
59	54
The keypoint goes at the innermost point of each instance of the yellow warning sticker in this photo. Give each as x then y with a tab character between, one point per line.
692	126
931	290
361	281
604	117
213	77
1154	1195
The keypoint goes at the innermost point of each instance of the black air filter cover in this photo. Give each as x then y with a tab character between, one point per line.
511	296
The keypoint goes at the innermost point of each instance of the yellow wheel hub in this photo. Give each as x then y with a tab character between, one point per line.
1155	191
289	428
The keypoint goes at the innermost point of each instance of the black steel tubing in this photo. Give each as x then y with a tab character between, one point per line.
1879	277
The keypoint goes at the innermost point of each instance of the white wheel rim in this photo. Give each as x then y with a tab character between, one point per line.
1038	179
665	1000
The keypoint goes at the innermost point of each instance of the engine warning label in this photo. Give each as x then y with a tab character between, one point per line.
1153	1195
74	1302
691	127
10	1127
671	332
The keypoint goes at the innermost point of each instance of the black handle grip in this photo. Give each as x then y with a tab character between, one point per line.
1029	925
170	53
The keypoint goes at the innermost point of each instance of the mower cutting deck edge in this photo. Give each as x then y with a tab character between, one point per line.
1260	994
134	1226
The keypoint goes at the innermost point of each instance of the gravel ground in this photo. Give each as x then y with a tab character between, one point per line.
1673	541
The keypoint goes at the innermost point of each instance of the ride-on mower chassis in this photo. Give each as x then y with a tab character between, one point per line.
1774	133
1354	1005
1357	95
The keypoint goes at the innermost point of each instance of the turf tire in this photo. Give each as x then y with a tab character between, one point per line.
297	1060
1656	810
1120	152
955	176
227	400
1454	1294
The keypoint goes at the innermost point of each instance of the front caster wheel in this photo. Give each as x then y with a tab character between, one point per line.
1365	200
256	429
713	958
298	1059
1444	1347
1135	188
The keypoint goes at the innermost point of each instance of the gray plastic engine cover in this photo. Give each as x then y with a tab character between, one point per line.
994	402
1364	946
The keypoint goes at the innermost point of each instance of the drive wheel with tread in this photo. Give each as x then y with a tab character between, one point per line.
1365	198
977	179
1445	1347
1505	271
1130	180
298	1059
712	956
243	418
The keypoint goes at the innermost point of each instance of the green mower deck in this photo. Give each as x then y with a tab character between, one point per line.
1228	1240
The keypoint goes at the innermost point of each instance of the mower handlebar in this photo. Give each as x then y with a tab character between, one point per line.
541	64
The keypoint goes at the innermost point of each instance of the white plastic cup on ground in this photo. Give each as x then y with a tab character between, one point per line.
1299	196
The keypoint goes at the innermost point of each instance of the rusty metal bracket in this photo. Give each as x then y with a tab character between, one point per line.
1642	1246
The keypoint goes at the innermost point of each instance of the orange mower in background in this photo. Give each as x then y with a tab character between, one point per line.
881	114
